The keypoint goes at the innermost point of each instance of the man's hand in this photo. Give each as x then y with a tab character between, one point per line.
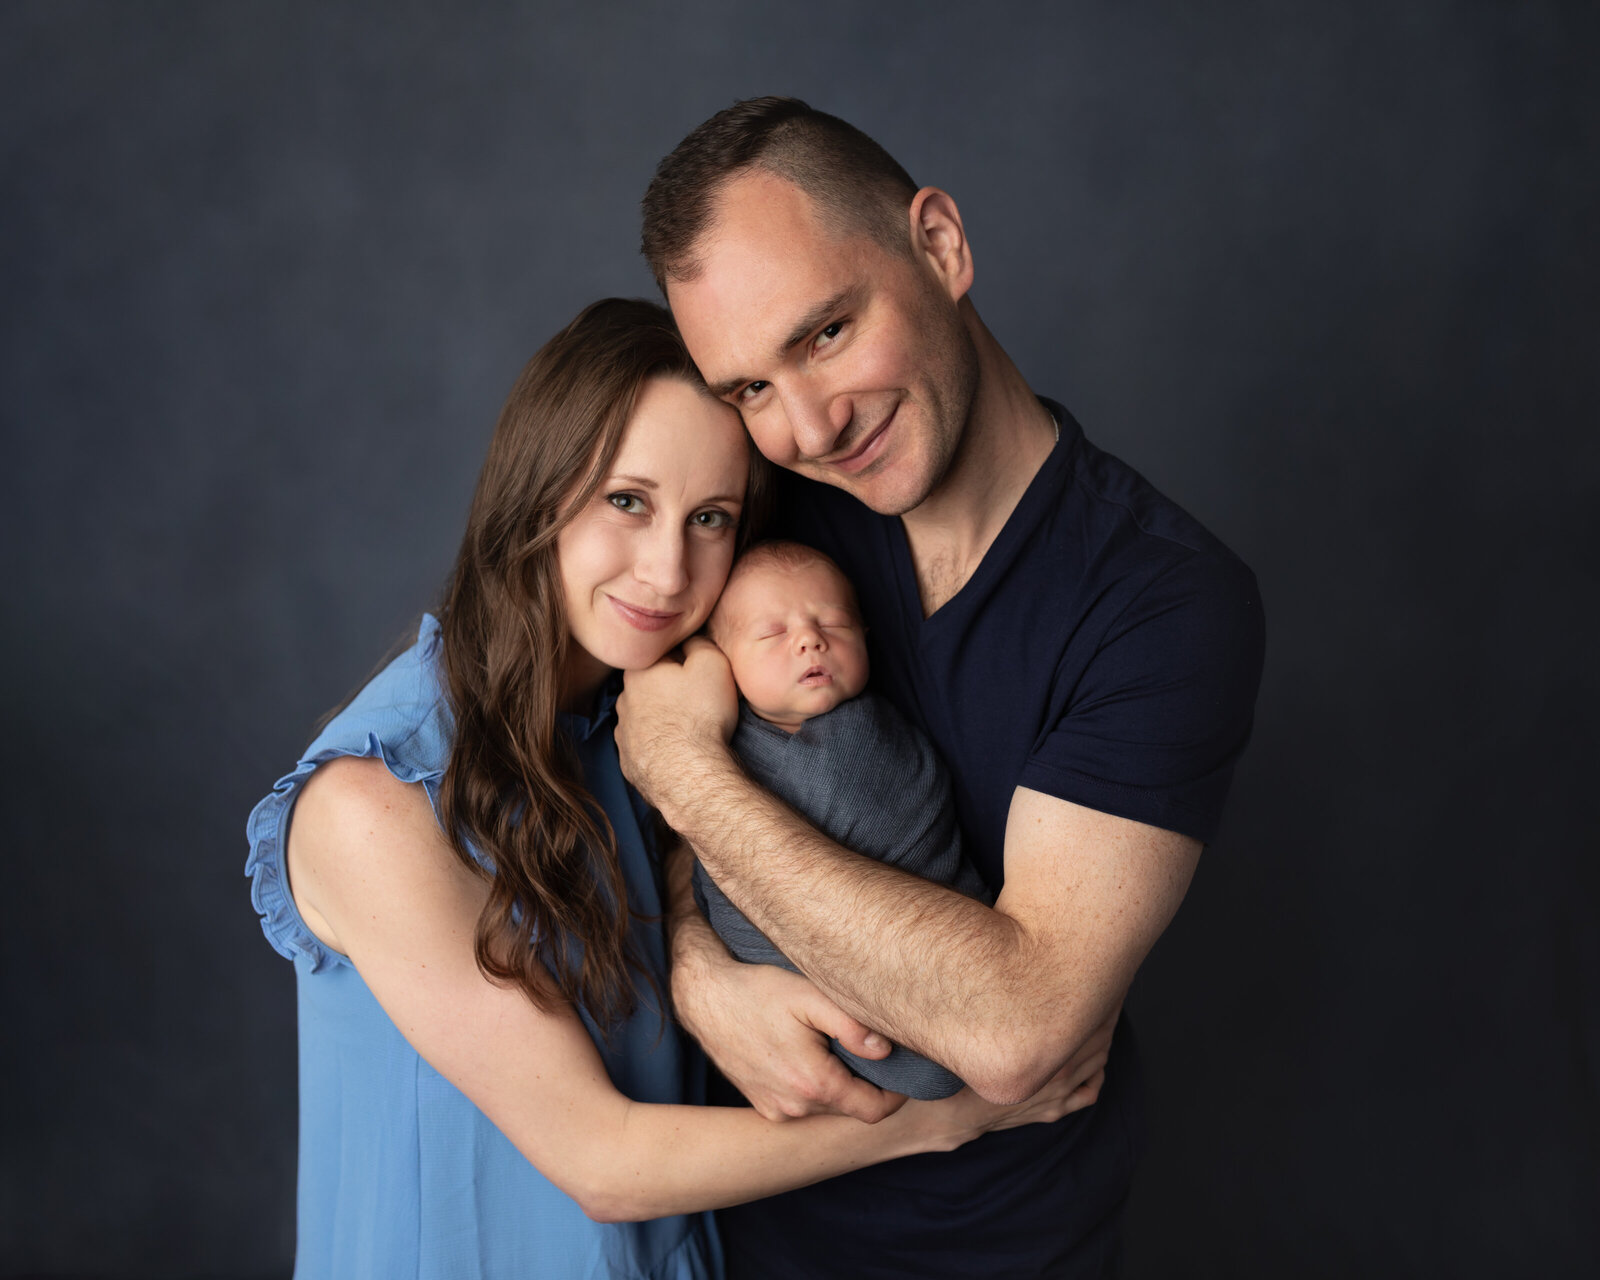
767	1029
671	712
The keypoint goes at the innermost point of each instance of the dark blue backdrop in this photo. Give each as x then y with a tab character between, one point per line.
1329	278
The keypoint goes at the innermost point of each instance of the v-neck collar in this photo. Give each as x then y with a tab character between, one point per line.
1019	524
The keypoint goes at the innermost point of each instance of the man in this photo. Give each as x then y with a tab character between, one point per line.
1084	655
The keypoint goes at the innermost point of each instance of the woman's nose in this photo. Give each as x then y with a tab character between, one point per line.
663	564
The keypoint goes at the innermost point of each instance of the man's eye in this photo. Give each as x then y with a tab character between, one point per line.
830	333
628	502
751	390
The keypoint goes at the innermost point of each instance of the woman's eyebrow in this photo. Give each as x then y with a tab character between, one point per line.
644	482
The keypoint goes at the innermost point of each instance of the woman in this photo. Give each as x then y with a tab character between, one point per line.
472	895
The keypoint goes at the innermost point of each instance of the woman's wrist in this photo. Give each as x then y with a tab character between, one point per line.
933	1126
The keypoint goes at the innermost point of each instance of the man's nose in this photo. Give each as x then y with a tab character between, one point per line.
817	419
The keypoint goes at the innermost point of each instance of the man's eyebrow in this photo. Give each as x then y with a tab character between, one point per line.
818	315
845	299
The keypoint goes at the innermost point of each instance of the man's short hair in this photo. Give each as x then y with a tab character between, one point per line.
857	187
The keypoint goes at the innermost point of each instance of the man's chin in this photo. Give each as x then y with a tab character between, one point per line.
884	492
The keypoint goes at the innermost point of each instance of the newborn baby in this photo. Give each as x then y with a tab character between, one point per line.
845	759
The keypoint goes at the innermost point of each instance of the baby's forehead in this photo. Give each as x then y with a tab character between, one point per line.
770	582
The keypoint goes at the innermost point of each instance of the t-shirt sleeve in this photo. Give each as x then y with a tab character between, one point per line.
1154	723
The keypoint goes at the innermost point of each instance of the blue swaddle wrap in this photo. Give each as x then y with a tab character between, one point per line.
869	781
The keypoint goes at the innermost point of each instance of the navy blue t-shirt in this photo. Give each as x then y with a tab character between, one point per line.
1106	651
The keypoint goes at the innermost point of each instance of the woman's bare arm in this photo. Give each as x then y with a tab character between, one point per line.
374	876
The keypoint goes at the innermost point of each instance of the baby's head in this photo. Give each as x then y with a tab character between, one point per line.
789	624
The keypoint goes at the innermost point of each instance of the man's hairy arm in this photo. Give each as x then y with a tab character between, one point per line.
1002	996
803	1077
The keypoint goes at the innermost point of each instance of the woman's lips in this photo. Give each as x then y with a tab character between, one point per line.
642	619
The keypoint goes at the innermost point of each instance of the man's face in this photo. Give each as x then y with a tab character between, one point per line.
849	364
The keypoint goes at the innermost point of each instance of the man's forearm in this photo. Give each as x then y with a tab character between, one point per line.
692	942
932	969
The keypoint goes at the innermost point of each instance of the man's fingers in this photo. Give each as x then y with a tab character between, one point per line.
828	1018
826	1087
1086	1094
866	1102
768	1109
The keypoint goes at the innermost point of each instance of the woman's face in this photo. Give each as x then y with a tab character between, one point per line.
643	562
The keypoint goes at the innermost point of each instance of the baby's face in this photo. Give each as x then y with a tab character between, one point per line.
794	641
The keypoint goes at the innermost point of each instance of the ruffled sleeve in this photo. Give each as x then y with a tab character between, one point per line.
401	718
267	865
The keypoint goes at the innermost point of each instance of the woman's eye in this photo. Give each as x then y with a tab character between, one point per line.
628	502
712	519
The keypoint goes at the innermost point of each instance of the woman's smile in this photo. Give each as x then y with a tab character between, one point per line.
642	618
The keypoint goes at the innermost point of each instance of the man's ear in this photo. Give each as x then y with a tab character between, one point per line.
939	239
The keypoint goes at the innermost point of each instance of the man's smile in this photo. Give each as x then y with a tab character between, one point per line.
867	451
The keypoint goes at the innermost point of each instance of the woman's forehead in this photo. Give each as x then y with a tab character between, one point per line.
678	434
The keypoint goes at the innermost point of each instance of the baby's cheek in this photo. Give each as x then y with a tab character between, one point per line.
755	676
862	671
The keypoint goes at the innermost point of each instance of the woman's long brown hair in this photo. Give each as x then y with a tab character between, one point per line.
556	921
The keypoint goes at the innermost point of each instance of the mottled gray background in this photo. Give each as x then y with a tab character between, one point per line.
1326	273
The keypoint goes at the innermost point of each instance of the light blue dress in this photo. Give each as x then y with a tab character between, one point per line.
401	1176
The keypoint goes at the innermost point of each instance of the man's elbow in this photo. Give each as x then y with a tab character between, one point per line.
1008	1078
1017	1065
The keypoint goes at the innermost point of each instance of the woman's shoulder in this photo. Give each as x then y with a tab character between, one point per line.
402	714
394	733
362	837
